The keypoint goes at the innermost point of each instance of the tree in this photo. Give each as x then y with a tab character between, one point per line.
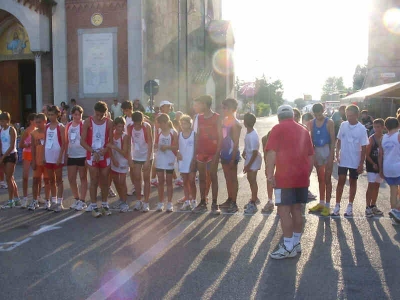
332	85
359	77
300	103
269	93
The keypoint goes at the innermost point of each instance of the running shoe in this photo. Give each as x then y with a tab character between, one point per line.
73	206
131	192
297	247
17	202
283	253
160	207
59	208
95	211
138	205
201	208
9	204
193	203
124	208
268	208
33	205
336	211
3	185
349	211
145	207
258	202
105	210
116	204
311	196
226	204
215	209
233	208
368	212
53	206
318	207
47	205
111	193
154	182
24	202
395	214
170	207
81	205
326	212
182	200
377	211
251	208
91	207
186	206
179	182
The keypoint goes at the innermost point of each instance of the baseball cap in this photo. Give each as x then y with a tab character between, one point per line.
165	102
285	110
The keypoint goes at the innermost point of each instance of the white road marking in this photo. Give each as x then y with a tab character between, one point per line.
138	264
43	229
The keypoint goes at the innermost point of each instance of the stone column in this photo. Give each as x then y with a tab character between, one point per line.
135	49
39	87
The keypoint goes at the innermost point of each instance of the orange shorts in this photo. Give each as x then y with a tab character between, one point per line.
39	172
27	155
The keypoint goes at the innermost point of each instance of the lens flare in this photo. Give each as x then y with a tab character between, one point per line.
223	62
391	20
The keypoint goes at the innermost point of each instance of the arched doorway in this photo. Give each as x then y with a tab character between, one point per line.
17	69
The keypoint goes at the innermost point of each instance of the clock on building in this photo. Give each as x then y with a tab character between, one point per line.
97	19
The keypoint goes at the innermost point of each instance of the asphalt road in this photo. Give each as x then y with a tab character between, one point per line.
178	255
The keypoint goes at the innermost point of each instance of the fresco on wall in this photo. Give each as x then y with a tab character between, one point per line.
14	41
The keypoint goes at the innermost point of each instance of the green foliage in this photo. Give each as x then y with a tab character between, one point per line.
263	109
300	103
333	85
359	76
269	93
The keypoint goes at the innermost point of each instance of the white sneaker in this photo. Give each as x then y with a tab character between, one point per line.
124	208
33	205
349	211
336	211
297	247
116	204
59	208
145	207
186	206
251	208
131	192
24	202
193	203
91	207
179	181
282	253
268	208
182	200
160	207
73	206
170	207
53	206
81	205
138	205
47	205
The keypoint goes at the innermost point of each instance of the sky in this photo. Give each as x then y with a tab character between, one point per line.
300	42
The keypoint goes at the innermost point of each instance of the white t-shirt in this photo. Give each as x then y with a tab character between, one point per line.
196	123
352	138
128	121
391	155
116	110
251	143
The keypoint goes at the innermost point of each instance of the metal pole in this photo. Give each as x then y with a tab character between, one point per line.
179	50
186	54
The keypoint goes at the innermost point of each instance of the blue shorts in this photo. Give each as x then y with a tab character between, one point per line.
392	180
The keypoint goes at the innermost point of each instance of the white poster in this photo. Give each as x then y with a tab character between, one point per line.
98	63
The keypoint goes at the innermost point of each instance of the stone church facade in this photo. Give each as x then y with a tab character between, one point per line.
94	50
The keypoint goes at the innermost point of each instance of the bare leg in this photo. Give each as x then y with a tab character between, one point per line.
339	188
94	183
321	181
192	185
161	185
170	188
72	175
84	182
353	189
104	183
60	185
25	177
252	179
286	220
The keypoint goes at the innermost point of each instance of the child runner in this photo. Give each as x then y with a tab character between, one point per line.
166	144
142	158
230	154
25	144
253	160
269	206
389	161
8	142
187	162
97	133
372	166
350	154
39	171
76	158
120	152
54	148
209	136
323	137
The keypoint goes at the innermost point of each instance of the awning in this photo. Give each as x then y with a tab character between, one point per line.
388	90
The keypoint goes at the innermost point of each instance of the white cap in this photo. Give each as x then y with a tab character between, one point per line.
285	110
165	102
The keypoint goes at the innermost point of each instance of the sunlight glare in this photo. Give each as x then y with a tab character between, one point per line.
391	20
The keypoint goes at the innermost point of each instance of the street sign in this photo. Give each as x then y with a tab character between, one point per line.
151	88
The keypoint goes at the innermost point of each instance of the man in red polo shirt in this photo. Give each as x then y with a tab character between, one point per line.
290	154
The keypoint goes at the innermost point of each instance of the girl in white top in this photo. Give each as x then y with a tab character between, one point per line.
54	148
389	160
9	157
166	144
76	157
186	162
120	153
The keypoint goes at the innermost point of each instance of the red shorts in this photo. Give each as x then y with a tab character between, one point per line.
27	155
204	158
104	163
50	166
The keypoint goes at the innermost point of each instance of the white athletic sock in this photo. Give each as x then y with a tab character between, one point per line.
104	203
296	238
60	200
269	200
54	199
288	242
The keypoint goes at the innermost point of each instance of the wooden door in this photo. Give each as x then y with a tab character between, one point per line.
9	89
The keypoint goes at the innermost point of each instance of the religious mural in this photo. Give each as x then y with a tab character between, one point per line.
14	41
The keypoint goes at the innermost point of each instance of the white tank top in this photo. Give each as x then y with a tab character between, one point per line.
75	150
122	161
6	140
186	149
98	135
139	147
52	147
165	159
391	155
